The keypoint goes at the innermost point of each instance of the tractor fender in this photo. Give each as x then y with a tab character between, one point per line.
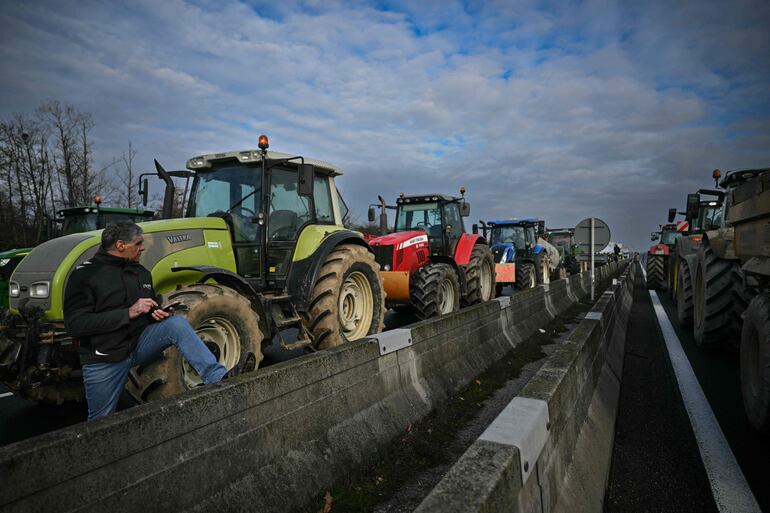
465	246
659	249
722	242
304	273
235	282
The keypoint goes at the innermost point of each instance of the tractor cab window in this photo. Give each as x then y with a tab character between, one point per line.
531	237
561	239
288	210
234	190
343	206
79	223
508	235
669	237
709	217
322	199
425	217
453	219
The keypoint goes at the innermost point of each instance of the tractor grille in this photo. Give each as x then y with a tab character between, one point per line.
383	255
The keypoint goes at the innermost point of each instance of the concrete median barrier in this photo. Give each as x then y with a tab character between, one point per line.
273	439
550	449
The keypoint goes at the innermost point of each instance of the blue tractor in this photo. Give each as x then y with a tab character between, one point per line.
521	260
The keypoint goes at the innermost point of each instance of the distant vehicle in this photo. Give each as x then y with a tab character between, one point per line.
71	220
429	264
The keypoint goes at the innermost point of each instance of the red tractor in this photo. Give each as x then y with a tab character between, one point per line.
430	263
658	254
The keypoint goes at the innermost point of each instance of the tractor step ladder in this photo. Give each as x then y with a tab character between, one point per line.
285	316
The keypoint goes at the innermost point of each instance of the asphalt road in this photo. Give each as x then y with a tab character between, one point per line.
656	462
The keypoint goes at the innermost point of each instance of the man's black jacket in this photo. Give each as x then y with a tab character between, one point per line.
98	295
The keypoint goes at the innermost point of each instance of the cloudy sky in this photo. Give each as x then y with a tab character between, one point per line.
559	110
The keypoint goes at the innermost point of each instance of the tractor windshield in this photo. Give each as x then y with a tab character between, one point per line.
560	239
508	234
419	216
79	223
669	237
709	217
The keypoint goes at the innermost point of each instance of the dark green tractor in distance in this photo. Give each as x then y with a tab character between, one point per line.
262	250
70	220
563	239
703	213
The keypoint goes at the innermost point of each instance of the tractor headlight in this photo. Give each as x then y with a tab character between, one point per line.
4	261
40	289
386	267
14	289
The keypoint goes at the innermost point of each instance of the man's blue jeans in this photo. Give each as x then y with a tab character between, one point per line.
104	382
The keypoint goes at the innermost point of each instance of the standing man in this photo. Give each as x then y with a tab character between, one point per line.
111	307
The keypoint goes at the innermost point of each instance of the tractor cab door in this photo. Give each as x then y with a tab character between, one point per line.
287	214
453	226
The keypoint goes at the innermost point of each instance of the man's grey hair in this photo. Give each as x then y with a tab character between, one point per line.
123	230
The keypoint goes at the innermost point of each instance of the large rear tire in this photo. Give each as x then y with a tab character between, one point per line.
525	276
656	271
435	290
755	363
684	291
479	276
712	298
348	299
226	323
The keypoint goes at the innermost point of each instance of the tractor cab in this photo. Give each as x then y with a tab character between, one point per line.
512	239
95	217
439	216
267	200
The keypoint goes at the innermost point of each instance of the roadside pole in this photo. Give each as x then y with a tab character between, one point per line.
592	259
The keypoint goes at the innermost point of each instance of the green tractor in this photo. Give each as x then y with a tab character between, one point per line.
703	213
262	250
71	220
563	239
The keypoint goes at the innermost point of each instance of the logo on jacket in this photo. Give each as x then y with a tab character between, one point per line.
173	239
147	285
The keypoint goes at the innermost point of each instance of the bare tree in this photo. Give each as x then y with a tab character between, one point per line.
126	192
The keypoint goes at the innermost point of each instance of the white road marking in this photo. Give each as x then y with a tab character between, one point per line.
644	271
7	394
728	484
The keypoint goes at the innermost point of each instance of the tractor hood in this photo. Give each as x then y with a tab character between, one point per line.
504	252
400	240
49	265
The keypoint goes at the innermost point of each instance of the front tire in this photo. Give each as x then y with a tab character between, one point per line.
684	292
542	267
755	363
525	276
479	276
348	299
226	323
435	290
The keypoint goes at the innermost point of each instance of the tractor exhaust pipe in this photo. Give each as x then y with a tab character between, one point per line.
383	216
168	196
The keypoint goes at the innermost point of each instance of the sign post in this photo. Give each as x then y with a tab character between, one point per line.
592	235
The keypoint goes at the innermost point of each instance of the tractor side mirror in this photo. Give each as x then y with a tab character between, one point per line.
465	209
305	180
541	227
693	205
653	236
143	191
371	214
475	229
671	215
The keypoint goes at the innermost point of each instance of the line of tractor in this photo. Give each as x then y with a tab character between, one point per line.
261	249
715	264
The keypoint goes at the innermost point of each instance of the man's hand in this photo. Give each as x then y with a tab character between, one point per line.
142	306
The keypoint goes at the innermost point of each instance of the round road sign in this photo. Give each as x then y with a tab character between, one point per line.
583	235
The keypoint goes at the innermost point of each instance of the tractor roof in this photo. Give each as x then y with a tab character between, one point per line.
740	175
515	222
204	162
570	231
108	210
424	198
